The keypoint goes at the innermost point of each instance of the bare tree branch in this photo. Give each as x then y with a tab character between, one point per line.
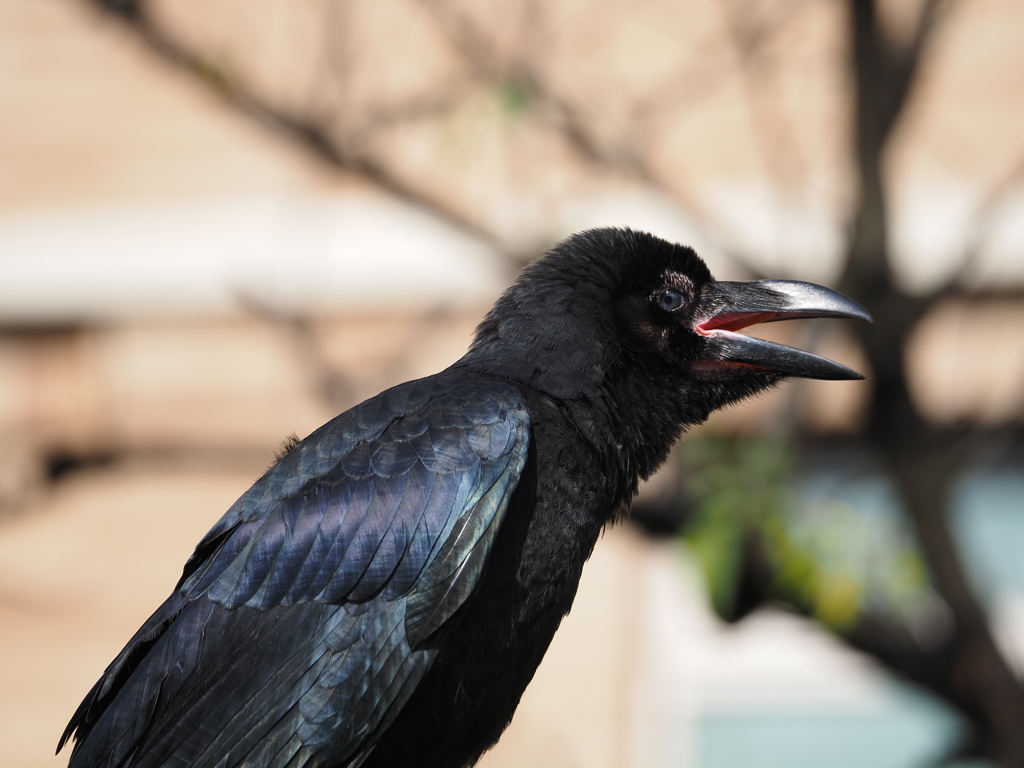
575	125
980	228
772	132
329	384
924	461
313	136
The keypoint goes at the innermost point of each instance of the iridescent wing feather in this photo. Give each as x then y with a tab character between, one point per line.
299	627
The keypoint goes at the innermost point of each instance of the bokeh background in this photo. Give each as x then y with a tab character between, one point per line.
222	221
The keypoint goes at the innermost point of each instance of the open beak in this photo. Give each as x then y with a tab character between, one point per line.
727	307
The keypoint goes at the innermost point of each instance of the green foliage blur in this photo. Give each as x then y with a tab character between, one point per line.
755	527
515	99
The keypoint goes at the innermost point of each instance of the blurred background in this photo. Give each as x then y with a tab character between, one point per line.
222	221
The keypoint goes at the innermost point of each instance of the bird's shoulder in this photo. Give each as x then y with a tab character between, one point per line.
466	415
348	553
383	485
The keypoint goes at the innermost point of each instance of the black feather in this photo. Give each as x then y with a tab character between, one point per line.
299	622
288	445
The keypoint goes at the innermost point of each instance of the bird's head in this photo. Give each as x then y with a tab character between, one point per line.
623	313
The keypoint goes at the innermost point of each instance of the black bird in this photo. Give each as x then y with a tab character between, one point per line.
384	593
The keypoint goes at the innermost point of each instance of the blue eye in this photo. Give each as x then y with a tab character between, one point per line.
669	300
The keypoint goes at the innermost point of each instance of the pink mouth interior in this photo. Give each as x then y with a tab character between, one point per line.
734	321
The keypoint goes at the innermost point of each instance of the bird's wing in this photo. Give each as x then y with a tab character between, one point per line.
298	628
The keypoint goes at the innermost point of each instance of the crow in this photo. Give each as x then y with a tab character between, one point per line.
384	593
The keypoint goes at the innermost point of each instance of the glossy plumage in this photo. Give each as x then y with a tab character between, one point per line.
345	557
383	595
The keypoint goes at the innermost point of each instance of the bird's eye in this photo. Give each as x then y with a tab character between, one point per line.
669	299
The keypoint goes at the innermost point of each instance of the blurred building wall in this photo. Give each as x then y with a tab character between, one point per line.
180	287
